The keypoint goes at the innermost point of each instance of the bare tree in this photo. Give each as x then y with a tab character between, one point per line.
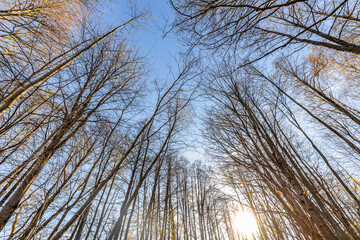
263	27
250	126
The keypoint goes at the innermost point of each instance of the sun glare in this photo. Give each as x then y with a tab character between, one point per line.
245	224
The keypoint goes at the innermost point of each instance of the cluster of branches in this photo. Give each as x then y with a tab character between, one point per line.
77	146
289	130
80	157
178	200
260	28
275	162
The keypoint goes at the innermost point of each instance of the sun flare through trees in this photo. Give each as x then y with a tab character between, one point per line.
97	122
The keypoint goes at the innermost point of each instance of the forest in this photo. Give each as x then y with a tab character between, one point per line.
94	145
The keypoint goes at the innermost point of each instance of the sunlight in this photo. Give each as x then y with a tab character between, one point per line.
245	224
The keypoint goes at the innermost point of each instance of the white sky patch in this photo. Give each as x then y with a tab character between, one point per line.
245	225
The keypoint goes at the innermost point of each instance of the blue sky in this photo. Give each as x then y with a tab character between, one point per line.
160	51
148	38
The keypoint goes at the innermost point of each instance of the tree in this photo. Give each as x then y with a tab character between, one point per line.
263	27
254	128
263	115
